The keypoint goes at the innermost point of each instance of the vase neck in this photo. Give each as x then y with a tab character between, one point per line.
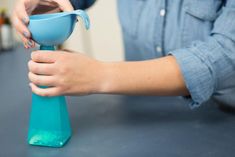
47	47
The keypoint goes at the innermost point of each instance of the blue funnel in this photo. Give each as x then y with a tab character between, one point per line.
54	29
49	119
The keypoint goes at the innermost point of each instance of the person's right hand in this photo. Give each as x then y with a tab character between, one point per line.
24	8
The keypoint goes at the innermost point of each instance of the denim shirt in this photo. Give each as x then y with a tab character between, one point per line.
200	34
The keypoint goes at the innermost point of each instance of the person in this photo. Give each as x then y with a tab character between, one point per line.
172	48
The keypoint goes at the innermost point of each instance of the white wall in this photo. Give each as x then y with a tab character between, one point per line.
3	3
103	41
7	4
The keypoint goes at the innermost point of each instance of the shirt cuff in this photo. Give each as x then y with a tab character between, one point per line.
197	74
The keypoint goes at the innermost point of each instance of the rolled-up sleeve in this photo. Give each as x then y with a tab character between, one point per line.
206	64
82	4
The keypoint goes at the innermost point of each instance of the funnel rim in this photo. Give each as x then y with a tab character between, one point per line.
45	17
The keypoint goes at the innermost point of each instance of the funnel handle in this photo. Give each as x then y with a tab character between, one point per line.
83	15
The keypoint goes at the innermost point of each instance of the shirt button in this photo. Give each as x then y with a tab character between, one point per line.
162	12
158	49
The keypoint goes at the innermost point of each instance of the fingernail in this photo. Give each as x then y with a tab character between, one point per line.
25	20
30	43
26	34
25	46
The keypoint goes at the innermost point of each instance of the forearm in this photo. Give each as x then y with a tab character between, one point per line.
154	77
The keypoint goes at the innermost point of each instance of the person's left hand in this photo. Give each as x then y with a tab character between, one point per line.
24	8
64	73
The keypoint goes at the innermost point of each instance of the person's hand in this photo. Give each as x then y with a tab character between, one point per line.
64	73
24	8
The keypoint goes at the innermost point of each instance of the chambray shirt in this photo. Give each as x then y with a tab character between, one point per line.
200	34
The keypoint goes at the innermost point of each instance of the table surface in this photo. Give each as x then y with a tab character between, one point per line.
113	126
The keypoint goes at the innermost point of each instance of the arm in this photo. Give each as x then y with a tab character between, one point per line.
154	77
76	74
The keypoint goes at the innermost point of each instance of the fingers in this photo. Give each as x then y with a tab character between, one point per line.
44	56
64	5
41	68
48	3
21	29
41	80
20	20
22	14
24	40
28	43
46	9
52	6
46	92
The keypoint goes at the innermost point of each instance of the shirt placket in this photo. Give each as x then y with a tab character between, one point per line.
159	31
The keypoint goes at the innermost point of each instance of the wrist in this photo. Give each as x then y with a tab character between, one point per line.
106	83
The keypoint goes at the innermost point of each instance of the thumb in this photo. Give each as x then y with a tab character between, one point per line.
64	5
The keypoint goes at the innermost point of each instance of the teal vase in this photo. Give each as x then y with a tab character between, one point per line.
49	119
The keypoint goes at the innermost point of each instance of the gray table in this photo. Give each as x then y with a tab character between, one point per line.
113	126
